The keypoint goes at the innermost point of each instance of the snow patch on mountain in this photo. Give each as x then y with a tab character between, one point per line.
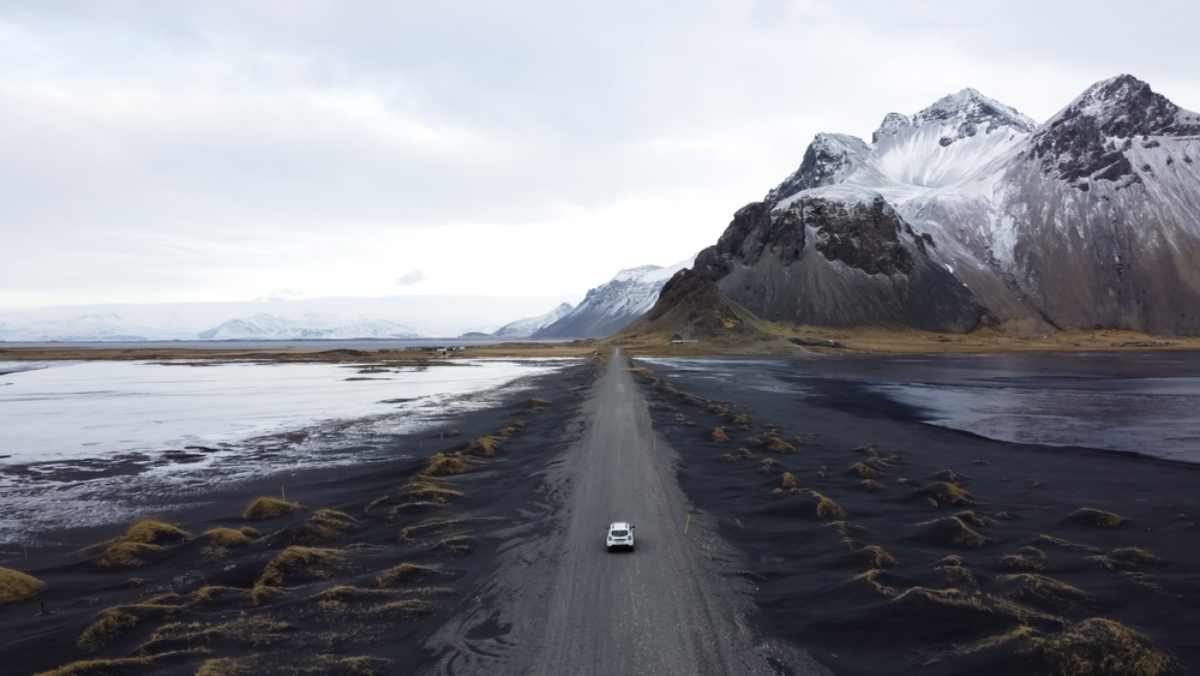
524	328
270	327
608	308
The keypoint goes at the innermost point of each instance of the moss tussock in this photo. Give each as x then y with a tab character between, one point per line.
16	586
265	508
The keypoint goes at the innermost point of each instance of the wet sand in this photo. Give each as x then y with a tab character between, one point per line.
884	545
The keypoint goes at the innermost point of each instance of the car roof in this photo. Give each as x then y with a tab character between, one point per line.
619	525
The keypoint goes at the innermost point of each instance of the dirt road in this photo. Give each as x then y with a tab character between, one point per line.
563	605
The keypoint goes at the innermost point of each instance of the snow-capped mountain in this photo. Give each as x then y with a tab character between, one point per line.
96	326
608	308
270	327
1090	219
524	328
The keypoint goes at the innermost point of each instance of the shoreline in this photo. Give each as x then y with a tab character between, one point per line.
778	340
342	560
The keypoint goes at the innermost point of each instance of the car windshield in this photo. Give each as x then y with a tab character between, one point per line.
620	533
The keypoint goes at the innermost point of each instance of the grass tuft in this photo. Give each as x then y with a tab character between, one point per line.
484	446
265	508
863	471
16	586
1099	647
719	434
950	532
941	493
300	564
447	464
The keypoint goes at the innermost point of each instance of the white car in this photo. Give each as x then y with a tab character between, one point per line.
620	536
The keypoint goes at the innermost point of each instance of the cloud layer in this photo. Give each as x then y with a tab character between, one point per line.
218	151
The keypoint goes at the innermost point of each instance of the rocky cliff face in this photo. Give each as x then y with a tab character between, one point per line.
836	259
1091	219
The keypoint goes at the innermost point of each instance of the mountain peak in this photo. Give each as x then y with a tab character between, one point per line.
969	107
1125	106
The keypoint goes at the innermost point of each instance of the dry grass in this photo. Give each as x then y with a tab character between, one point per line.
1099	647
430	491
825	508
447	464
248	630
775	444
1041	592
375	602
975	519
214	594
1126	559
407	573
113	622
264	508
153	532
1027	559
788	481
949	476
741	420
484	446
328	524
300	564
16	586
719	434
942	493
230	537
537	405
144	541
120	665
1095	518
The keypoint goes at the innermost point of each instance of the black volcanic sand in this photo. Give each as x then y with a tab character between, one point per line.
197	606
936	551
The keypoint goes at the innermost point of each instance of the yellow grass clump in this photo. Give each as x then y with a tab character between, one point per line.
950	531
940	493
719	434
264	508
406	573
300	563
1099	647
484	446
446	464
870	485
425	489
230	537
16	586
144	541
775	444
873	556
788	481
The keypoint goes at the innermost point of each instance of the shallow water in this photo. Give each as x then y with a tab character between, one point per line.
86	443
1146	403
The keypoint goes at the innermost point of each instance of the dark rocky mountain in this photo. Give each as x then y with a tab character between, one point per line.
968	212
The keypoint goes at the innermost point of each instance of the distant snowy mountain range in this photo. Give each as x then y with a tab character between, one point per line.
322	318
270	327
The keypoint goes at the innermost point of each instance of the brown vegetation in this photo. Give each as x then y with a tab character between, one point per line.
446	464
265	508
942	493
16	586
300	564
719	434
950	532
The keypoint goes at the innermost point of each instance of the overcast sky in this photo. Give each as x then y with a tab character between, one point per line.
182	151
